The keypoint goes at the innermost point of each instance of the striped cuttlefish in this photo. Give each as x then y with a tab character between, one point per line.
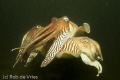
59	35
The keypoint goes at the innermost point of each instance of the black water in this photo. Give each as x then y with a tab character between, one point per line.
18	16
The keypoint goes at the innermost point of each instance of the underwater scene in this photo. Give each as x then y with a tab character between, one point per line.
59	40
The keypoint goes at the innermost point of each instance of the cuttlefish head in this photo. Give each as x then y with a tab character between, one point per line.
90	53
88	46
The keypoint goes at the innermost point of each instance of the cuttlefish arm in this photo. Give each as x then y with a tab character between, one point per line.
43	49
29	40
29	36
32	55
91	53
33	40
62	36
54	49
46	34
56	29
73	28
68	30
84	47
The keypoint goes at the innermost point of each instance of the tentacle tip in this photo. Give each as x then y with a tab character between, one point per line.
97	75
88	31
42	65
12	50
13	66
99	58
25	65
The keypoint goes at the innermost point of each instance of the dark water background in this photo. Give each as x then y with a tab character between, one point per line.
103	16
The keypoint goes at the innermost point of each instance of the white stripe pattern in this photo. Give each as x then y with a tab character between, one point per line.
55	48
70	46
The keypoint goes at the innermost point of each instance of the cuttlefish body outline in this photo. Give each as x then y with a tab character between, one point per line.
59	35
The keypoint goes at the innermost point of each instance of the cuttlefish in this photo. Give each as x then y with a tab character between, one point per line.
59	30
84	47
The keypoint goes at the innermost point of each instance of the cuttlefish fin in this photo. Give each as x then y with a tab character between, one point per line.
55	48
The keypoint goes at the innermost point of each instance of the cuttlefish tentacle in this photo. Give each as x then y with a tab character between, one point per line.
85	48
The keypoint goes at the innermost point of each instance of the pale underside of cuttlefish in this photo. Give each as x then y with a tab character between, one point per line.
84	47
38	36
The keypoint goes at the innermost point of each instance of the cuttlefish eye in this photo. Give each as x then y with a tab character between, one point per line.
84	40
66	18
38	26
